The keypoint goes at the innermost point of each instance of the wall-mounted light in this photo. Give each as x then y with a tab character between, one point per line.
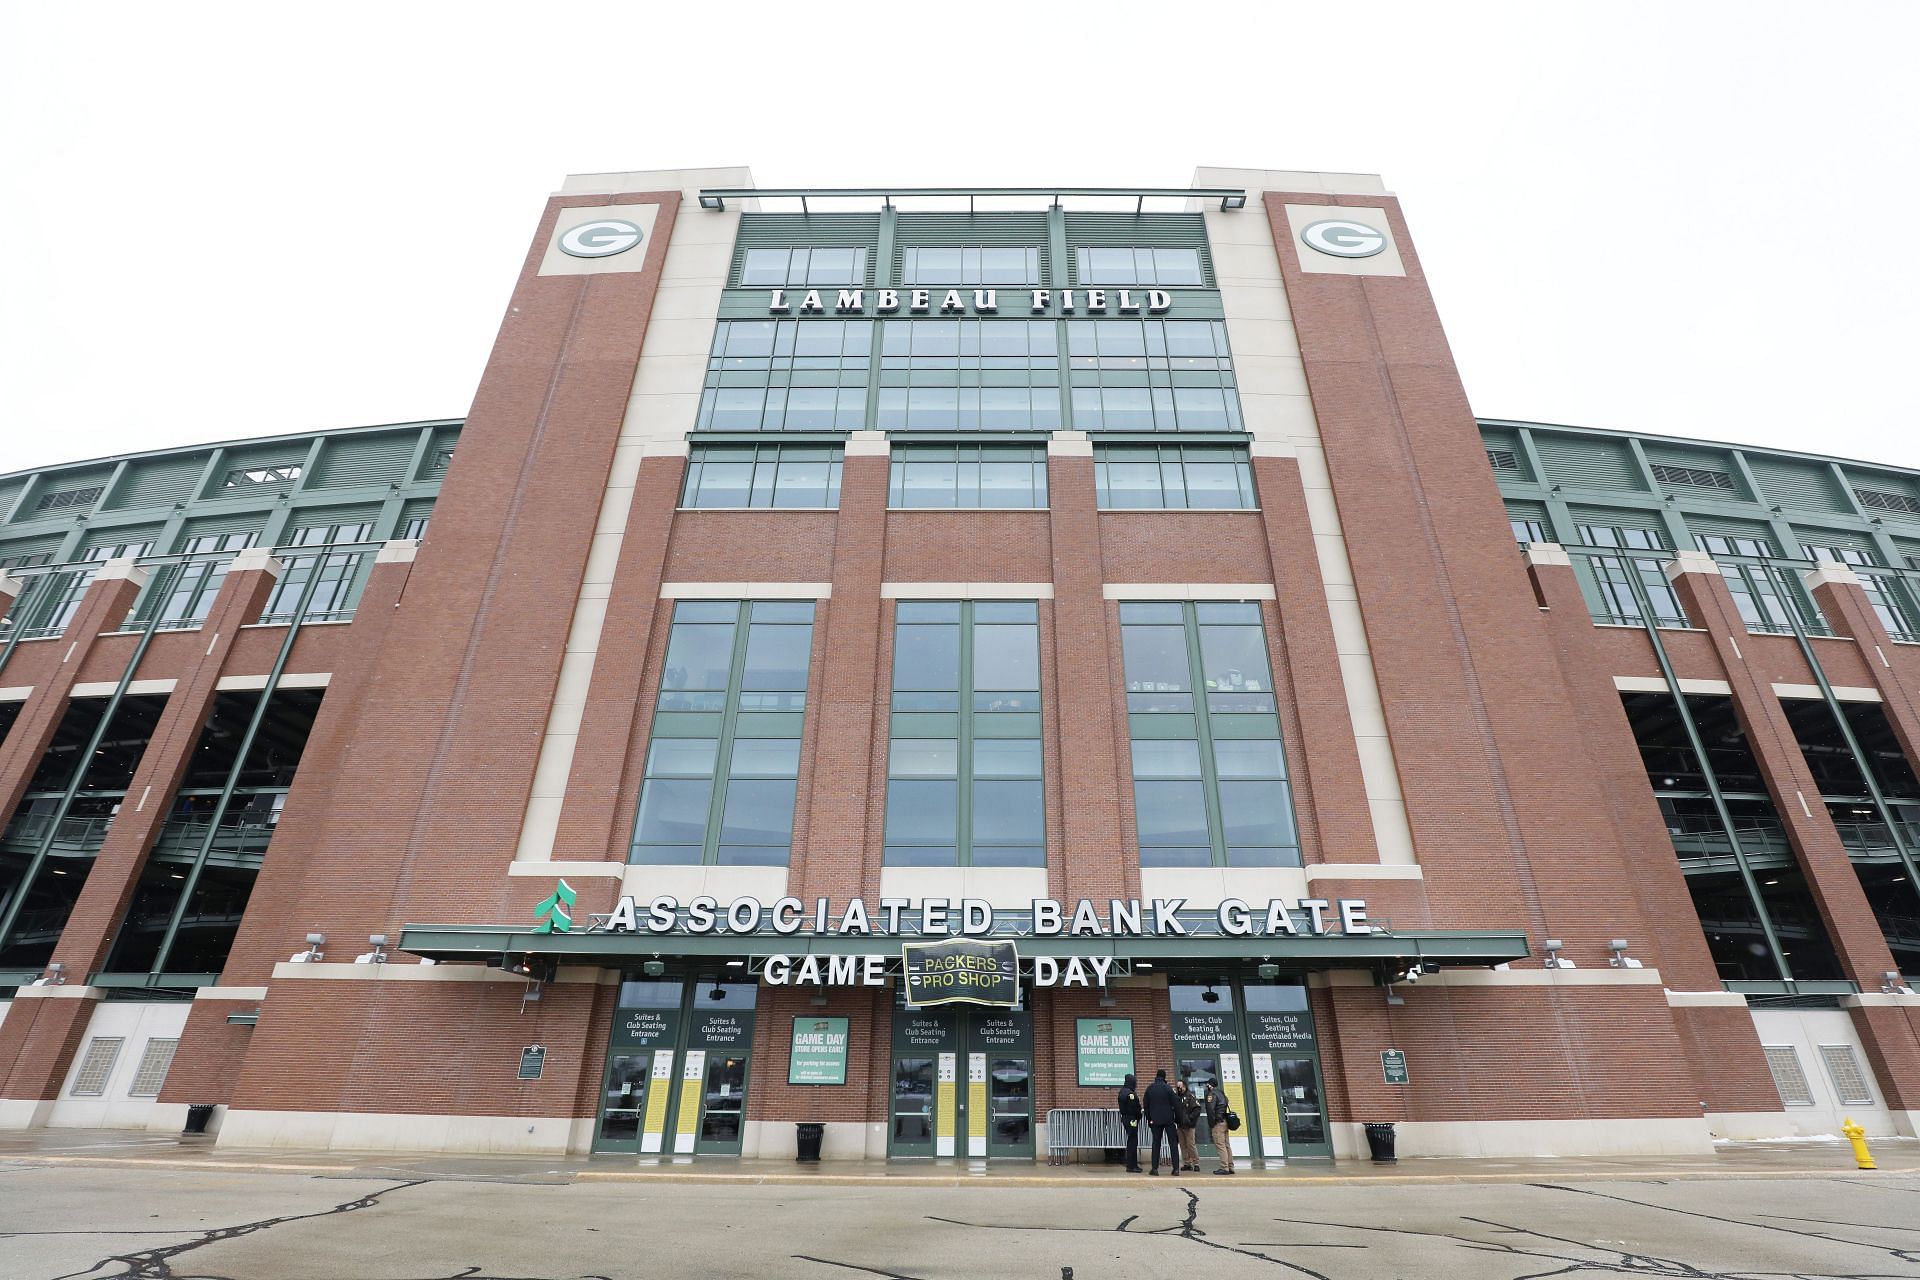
313	954
1890	982
1554	947
654	968
710	201
817	1000
1234	200
1106	998
55	975
1620	958
378	955
1268	972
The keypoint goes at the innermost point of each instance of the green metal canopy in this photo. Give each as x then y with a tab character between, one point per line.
454	943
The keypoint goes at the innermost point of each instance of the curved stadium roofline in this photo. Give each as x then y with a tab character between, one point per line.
245	441
1693	442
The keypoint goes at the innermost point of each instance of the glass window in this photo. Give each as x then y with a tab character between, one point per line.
1137	265
1210	783
965	763
787	375
970	264
968	476
778	476
810	266
1173	477
717	788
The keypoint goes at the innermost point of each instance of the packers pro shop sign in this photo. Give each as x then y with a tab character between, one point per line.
963	970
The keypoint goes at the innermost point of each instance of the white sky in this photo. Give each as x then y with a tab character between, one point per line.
230	220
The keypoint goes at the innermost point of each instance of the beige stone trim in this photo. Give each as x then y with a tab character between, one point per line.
1843	692
399	1131
105	688
1272	449
123	567
247	994
64	991
1690	562
9	585
397	551
1363	871
577	870
666	448
256	560
1548	553
746	590
1706	1000
300	680
966	591
16	693
1069	444
1654	684
1865	1000
1188	591
866	444
1829	573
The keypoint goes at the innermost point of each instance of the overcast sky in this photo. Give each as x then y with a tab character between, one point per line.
234	220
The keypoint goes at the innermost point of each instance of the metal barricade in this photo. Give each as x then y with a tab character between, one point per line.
1071	1129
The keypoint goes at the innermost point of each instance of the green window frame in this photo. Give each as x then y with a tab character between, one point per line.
1173	477
787	375
1210	779
965	783
776	266
970	264
1171	265
723	760
736	477
970	476
1764	592
1608	579
1151	375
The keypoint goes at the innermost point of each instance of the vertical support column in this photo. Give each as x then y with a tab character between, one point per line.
102	608
1096	861
1850	921
842	855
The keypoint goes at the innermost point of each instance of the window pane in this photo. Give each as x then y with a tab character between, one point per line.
765	758
1006	657
758	812
1164	758
1130	484
832	266
922	812
698	656
923	757
1255	813
928	484
764	267
715	483
1170	813
674	811
1214	485
1235	661
1242	758
926	656
1008	813
777	656
1006	757
1155	658
1176	266
681	757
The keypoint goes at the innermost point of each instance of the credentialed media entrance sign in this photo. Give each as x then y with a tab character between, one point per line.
962	971
1104	1050
819	1053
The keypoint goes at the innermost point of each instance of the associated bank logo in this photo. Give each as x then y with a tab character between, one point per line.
1343	239
555	913
601	238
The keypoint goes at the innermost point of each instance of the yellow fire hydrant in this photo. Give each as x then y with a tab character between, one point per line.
1858	1137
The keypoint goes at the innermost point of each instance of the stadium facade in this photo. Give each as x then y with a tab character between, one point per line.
899	660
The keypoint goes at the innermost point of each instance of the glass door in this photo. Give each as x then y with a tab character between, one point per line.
713	1097
623	1101
1208	1046
929	1083
912	1108
1000	1103
1286	1070
724	1114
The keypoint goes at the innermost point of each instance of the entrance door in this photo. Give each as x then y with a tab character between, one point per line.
1256	1043
698	1035
962	1083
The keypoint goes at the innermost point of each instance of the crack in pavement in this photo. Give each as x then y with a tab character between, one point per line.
157	1263
1188	1229
854	1266
1903	1255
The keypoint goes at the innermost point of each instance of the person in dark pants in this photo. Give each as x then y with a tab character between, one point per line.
1130	1121
1189	1108
1164	1116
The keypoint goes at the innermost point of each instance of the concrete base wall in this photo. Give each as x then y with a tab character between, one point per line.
115	1107
776	1140
1472	1138
389	1131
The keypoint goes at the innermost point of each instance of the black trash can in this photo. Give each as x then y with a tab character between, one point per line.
197	1116
1380	1143
807	1137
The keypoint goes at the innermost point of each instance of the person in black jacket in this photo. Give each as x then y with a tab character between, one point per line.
1188	1108
1217	1113
1130	1121
1164	1116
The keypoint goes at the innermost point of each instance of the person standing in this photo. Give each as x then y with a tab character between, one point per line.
1217	1113
1187	1107
1129	1104
1164	1116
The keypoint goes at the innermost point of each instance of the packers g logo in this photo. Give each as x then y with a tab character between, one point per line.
1343	239
601	238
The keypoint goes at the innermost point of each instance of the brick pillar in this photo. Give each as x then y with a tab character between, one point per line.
1850	921
102	609
1715	1026
212	1050
1325	763
42	1031
1099	858
610	723
843	854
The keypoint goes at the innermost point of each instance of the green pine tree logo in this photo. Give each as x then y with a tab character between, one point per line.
556	911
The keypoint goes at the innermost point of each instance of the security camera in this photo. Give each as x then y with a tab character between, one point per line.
1412	975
